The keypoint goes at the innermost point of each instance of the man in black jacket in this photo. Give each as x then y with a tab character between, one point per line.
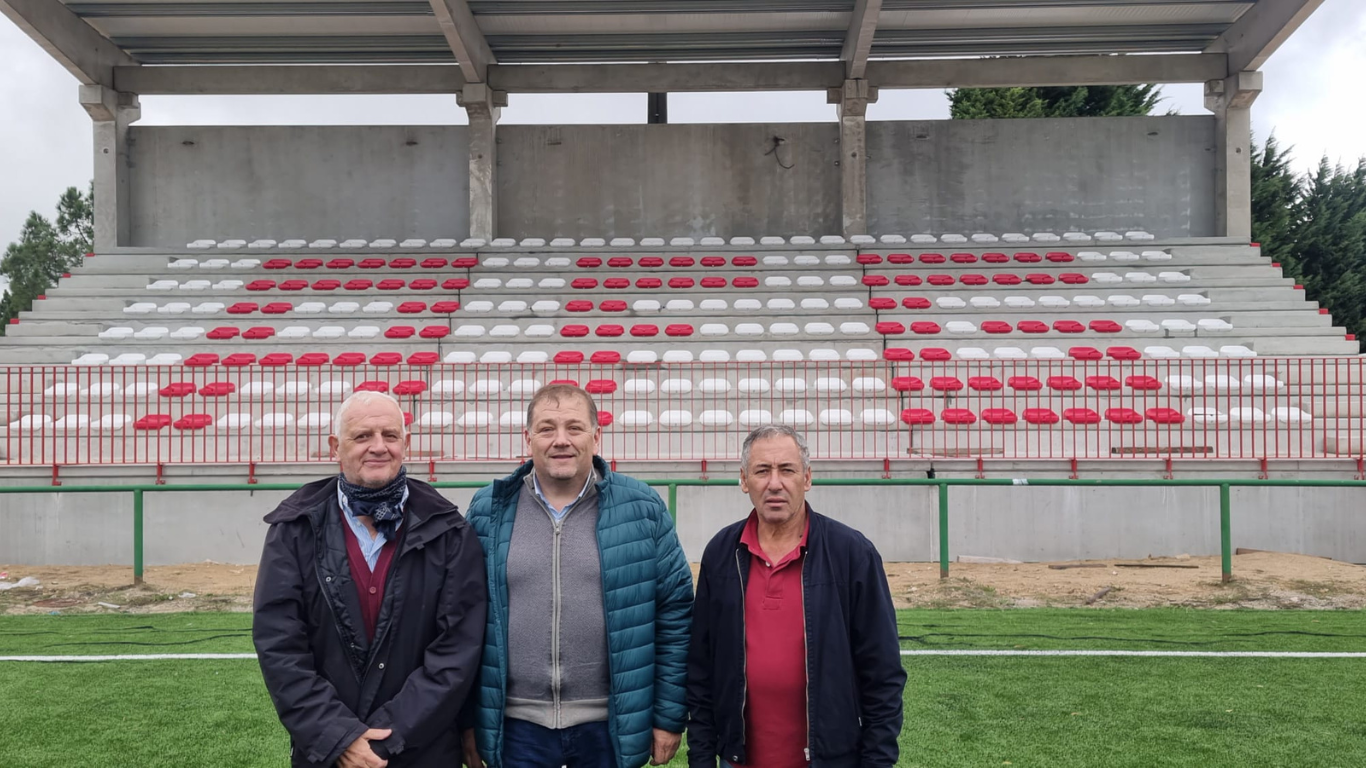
794	658
370	605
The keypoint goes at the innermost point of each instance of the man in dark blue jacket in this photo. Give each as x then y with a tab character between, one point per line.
794	658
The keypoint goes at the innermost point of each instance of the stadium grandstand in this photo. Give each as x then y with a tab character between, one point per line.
1016	298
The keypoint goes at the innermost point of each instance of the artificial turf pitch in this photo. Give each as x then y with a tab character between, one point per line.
969	711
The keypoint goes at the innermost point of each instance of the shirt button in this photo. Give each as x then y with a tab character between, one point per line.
373	590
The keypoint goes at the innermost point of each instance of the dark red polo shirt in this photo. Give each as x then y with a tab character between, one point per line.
369	584
775	656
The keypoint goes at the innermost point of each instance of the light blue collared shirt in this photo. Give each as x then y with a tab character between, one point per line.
560	513
368	547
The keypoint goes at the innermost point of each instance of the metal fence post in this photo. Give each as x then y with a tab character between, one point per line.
137	537
673	502
943	530
1225	532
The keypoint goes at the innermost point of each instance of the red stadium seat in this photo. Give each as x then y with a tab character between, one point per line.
435	332
958	416
153	422
1028	257
649	283
881	303
588	262
193	421
1081	416
1059	257
932	258
890	328
340	264
1072	278
617	283
610	330
1063	383
996	326
1039	278
1004	279
410	387
935	355
1102	383
612	305
875	281
946	384
600	387
907	384
651	261
568	357
680	262
1164	416
1123	416
900	258
999	416
1106	326
619	262
681	282
371	264
1032	326
941	280
201	360
277	308
277	264
349	359
258	332
645	330
605	357
995	258
308	263
973	279
455	284
293	285
1143	383
898	354
402	263
744	261
400	332
373	386
908	280
916	302
309	359
925	327
1068	326
868	259
422	284
1123	353
423	358
963	258
260	285
326	285
224	332
389	284
713	261
465	262
678	329
1040	416
1084	353
435	262
446	307
217	389
412	307
178	389
276	359
1025	383
604	418
242	308
745	282
584	283
713	282
914	416
985	383
386	358
578	305
574	331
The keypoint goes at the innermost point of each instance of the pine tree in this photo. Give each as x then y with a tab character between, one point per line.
45	251
1054	101
1275	190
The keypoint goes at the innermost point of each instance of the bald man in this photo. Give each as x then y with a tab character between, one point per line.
370	605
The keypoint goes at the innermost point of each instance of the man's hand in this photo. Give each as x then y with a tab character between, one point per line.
472	759
664	747
359	754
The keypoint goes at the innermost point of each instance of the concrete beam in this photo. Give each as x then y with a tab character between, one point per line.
484	107
853	98
858	41
1231	101
112	113
85	53
467	41
673	78
289	80
1251	40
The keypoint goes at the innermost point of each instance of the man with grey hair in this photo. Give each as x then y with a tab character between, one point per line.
794	658
370	605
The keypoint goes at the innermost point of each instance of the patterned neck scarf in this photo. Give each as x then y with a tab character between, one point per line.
380	504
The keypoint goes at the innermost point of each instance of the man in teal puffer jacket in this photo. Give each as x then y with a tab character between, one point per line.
590	603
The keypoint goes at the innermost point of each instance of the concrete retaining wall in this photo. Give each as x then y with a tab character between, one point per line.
297	182
1151	173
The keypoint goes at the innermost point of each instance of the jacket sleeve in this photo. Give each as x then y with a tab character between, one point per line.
877	659
320	725
433	695
701	716
673	612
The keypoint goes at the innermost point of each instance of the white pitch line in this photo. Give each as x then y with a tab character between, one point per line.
132	657
1160	654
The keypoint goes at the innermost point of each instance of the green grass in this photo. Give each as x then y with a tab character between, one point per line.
968	711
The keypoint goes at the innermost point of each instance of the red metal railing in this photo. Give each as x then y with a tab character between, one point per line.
1310	407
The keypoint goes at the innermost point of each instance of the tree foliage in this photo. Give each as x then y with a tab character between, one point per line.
1053	101
45	250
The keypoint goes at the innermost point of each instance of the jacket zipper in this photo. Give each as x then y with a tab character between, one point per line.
555	673
319	547
744	661
806	660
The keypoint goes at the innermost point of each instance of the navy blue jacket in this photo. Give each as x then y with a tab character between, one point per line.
853	655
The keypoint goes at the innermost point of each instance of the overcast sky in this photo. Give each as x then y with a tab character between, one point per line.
1312	101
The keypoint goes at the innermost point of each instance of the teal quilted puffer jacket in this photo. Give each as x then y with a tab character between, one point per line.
647	594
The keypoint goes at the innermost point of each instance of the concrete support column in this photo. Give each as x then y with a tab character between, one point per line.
853	99
484	106
1231	102
112	112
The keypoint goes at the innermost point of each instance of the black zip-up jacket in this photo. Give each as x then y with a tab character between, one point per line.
853	656
328	682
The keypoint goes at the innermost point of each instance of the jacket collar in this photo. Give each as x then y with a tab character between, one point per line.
508	487
426	515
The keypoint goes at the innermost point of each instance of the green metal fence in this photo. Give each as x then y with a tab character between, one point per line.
943	485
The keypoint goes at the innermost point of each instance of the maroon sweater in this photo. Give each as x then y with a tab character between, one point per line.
369	584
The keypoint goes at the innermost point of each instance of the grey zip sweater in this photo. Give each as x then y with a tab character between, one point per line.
557	630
